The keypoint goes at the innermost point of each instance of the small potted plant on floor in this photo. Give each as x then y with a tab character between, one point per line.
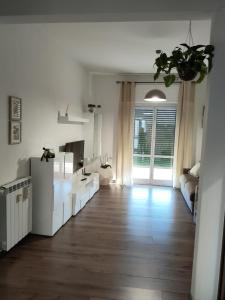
187	62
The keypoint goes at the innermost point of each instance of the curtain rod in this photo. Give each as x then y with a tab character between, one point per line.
148	82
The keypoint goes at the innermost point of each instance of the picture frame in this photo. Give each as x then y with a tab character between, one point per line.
15	108
15	130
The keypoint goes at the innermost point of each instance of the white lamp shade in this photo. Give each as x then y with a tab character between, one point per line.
155	96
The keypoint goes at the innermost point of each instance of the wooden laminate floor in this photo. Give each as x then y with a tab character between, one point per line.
126	244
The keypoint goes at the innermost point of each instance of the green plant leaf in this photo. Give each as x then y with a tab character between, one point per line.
209	49
156	76
185	45
163	59
169	79
202	74
209	64
158	62
194	48
201	77
191	60
177	56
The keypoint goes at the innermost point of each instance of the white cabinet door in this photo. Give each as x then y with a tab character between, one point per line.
57	208
57	218
76	204
96	181
92	190
84	198
67	208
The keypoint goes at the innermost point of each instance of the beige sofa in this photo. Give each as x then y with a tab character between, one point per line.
188	184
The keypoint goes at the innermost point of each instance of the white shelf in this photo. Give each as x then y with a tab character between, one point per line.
75	120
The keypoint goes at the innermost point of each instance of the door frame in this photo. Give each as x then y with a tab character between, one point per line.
152	181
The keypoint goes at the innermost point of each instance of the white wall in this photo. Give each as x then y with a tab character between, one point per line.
33	67
106	93
201	100
212	178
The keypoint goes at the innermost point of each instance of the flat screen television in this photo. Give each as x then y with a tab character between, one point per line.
77	148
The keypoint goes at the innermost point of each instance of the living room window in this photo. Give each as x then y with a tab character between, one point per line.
153	145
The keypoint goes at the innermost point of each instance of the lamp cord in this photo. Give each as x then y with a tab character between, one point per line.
189	39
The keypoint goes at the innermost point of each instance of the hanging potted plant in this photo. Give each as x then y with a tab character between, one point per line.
188	63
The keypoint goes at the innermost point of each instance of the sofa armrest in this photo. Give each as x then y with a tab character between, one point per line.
186	170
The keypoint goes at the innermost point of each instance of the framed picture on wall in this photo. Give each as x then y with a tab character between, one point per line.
15	108
14	132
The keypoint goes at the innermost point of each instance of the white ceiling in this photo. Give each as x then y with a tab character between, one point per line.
123	47
105	10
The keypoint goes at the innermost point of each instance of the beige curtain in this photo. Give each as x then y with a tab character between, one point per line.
124	143
184	130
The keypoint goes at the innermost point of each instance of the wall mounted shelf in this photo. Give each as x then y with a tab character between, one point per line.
76	120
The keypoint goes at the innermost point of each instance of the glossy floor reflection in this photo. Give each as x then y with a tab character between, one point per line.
126	244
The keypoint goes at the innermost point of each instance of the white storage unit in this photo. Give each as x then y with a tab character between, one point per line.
15	212
52	193
83	191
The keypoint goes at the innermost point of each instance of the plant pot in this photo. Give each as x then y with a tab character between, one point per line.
185	72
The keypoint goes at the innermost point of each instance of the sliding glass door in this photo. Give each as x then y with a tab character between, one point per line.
153	145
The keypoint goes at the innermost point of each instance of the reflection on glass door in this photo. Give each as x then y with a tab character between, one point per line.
143	128
153	147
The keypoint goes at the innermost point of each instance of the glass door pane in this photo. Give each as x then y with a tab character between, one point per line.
141	167
163	169
142	146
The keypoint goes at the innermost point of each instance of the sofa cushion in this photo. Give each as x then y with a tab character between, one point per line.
190	187
195	170
187	177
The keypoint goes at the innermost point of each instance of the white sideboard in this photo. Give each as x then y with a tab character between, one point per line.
58	193
52	187
84	190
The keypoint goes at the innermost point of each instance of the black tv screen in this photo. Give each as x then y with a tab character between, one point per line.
77	148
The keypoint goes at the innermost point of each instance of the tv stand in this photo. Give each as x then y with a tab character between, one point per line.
83	190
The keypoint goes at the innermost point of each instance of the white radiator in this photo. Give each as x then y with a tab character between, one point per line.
15	212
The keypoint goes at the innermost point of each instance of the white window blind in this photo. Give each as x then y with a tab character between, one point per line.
165	132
